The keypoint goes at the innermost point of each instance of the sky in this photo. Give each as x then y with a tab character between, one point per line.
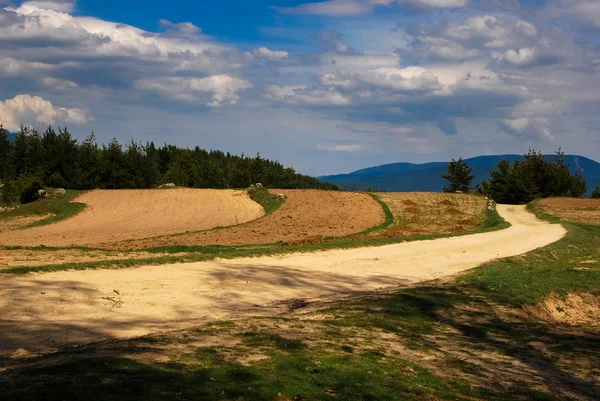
325	87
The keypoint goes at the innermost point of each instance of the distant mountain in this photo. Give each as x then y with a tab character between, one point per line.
11	136
408	177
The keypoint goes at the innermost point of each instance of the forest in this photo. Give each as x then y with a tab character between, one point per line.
55	159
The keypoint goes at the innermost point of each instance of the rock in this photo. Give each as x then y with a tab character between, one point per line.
259	185
60	192
42	193
490	208
281	196
167	185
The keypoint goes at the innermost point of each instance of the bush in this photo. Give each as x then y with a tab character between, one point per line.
30	193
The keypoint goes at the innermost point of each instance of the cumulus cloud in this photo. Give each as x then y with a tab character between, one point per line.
31	110
223	89
300	94
409	79
270	54
521	57
186	28
527	127
60	6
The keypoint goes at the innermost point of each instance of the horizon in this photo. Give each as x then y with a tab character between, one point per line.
325	87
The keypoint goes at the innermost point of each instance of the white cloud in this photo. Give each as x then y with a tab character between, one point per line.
270	54
27	109
341	148
223	88
521	57
490	31
348	8
528	127
300	94
407	79
59	84
59	6
186	28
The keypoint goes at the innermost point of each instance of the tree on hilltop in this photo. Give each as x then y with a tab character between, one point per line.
460	175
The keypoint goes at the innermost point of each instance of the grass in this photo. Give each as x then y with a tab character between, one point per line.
267	200
60	207
288	370
524	280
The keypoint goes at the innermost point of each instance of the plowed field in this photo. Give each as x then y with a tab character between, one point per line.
306	215
570	209
132	214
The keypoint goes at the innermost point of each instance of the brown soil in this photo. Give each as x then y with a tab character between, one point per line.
576	309
131	214
423	213
305	214
570	209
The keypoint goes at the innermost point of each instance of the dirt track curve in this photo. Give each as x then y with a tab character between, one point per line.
45	312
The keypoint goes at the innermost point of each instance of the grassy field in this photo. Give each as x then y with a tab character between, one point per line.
56	207
468	339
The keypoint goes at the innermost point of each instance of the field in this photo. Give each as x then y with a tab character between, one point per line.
423	213
131	214
585	211
371	315
306	214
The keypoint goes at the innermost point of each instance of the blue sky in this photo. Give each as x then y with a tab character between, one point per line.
326	87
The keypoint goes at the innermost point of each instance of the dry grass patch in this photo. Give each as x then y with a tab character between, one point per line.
16	223
423	213
585	211
35	257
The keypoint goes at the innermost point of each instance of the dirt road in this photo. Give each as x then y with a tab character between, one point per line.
44	312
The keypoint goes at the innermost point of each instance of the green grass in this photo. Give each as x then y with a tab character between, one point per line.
60	207
209	373
558	267
270	202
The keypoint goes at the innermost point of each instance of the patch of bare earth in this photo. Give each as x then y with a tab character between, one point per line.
130	214
575	309
585	211
306	215
422	213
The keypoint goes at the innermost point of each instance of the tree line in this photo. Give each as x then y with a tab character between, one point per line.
55	159
526	179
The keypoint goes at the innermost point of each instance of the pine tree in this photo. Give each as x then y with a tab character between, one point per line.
459	175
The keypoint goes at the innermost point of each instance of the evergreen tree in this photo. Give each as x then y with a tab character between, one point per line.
5	156
579	185
459	175
596	192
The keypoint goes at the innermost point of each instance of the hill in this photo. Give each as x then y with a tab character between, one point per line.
407	177
11	136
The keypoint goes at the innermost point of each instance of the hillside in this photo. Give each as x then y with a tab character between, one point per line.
406	177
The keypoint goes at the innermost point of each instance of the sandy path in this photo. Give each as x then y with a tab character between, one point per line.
130	214
43	312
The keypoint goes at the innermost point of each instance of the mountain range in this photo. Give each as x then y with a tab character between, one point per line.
408	177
